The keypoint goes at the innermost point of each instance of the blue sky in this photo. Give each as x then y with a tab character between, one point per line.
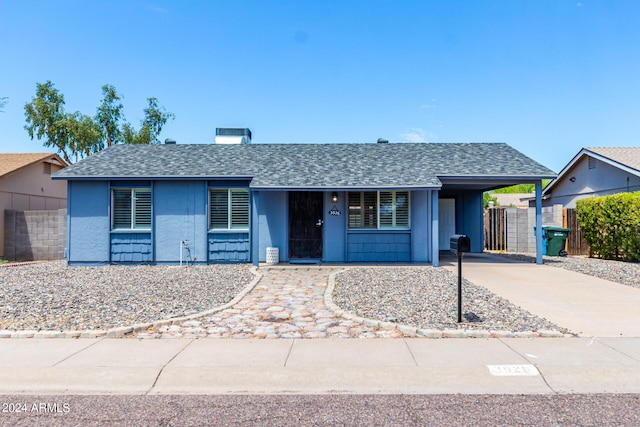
547	77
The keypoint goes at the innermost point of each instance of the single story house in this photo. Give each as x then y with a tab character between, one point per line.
25	185
595	172
333	203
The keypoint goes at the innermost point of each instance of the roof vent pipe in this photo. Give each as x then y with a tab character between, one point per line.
383	141
170	141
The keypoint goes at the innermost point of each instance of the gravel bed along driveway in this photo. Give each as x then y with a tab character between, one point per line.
53	296
626	273
426	297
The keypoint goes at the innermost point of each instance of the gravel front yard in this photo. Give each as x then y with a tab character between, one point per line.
426	297
52	296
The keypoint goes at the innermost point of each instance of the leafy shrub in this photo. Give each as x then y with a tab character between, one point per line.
611	225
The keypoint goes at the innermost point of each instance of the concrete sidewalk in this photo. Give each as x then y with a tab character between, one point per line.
386	366
586	305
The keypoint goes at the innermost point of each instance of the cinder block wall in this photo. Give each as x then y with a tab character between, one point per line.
34	235
520	224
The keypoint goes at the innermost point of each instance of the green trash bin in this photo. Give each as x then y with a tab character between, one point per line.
555	237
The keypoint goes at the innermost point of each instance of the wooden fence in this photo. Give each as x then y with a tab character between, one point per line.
495	229
575	243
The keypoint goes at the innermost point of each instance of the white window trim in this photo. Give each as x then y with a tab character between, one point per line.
395	211
229	211
378	225
132	192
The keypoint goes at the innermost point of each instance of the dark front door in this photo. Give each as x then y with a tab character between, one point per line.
305	225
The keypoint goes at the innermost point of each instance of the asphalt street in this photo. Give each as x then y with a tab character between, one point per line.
323	410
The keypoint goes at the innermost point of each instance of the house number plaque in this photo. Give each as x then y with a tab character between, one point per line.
334	211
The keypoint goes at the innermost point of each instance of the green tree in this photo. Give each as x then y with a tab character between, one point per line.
489	198
520	188
155	117
109	114
84	135
77	135
45	118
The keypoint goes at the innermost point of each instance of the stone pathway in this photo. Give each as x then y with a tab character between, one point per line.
288	302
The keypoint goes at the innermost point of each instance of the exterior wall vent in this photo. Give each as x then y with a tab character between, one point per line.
233	136
170	141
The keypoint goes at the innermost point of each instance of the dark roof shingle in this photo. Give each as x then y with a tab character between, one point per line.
310	165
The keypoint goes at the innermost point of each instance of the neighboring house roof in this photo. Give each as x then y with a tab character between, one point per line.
513	199
313	165
11	162
625	158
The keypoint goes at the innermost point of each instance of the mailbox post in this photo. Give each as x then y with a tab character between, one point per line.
459	244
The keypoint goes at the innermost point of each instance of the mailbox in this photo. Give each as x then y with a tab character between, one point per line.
460	243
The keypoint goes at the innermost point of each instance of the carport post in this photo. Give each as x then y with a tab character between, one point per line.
539	222
255	229
435	229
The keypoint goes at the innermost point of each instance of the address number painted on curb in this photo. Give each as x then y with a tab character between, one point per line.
513	370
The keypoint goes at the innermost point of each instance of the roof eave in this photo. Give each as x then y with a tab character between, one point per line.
151	177
521	178
345	187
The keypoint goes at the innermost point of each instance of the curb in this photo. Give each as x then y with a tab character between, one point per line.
414	332
123	331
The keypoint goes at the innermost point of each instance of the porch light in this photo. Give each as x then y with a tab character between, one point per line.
334	197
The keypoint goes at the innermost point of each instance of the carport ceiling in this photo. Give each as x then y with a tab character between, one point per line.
485	183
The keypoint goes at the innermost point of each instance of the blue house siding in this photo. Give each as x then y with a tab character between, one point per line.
131	247
229	247
180	210
273	223
421	226
88	236
180	214
379	246
469	218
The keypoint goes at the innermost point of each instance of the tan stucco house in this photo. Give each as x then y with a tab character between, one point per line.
26	184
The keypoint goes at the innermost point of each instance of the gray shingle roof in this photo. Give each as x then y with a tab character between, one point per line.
311	165
626	156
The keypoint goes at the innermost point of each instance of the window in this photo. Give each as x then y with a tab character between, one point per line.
363	208
228	209
131	209
378	210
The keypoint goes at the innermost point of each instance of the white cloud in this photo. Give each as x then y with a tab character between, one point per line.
430	105
414	135
157	9
579	4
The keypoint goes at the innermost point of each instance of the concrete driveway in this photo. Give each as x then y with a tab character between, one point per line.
586	305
